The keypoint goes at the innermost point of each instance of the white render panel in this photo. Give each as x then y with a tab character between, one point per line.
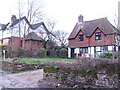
109	48
97	48
77	50
89	50
69	52
92	50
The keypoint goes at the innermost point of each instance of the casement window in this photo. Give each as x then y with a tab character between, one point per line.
104	48
101	49
83	50
98	36
80	38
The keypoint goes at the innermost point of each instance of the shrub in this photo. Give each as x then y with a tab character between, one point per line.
21	52
41	53
106	55
54	53
7	50
63	53
29	53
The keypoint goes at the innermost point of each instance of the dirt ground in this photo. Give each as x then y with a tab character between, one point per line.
28	79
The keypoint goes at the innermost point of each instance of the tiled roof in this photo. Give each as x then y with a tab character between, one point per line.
32	26
33	36
89	27
3	26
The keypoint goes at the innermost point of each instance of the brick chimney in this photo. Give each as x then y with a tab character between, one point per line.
80	19
13	18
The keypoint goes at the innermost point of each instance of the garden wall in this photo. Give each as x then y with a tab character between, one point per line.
15	66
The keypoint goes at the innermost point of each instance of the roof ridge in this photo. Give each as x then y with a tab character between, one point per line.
96	19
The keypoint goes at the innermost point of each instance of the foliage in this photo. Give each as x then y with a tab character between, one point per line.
7	49
21	52
41	53
63	53
106	55
54	53
59	52
13	54
89	67
109	55
49	69
29	53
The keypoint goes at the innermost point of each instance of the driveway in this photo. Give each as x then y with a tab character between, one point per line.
28	79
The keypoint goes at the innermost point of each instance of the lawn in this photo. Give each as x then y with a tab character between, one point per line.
42	60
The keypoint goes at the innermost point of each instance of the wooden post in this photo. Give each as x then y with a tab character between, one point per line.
3	54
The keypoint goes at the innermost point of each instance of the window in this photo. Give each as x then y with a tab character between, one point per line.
80	38
83	50
104	48
98	36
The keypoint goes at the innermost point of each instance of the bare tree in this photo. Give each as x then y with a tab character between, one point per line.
51	27
61	37
32	9
50	41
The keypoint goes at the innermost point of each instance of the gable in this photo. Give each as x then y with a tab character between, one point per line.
20	24
80	32
97	30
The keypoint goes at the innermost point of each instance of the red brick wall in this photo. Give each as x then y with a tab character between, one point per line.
15	43
106	40
74	42
33	45
28	45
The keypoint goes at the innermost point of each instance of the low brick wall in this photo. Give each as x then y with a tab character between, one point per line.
15	66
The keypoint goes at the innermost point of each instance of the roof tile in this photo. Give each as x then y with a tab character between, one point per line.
88	27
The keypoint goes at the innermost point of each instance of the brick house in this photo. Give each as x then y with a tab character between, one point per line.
92	38
34	40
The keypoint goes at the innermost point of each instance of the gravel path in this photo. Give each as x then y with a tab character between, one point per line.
28	79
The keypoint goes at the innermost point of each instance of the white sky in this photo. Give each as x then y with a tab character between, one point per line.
66	12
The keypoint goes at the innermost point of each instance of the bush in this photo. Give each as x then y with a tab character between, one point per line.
54	53
63	53
21	52
7	50
29	53
106	55
41	53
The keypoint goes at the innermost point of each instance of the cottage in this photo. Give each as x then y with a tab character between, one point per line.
90	38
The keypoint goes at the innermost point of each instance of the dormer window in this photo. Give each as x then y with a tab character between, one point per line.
98	36
80	38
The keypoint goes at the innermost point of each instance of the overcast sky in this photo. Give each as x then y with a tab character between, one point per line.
66	12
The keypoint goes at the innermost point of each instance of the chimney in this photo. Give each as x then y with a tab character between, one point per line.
80	19
13	18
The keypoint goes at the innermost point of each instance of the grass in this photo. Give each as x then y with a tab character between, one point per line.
42	60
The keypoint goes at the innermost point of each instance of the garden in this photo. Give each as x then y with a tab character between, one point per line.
72	73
